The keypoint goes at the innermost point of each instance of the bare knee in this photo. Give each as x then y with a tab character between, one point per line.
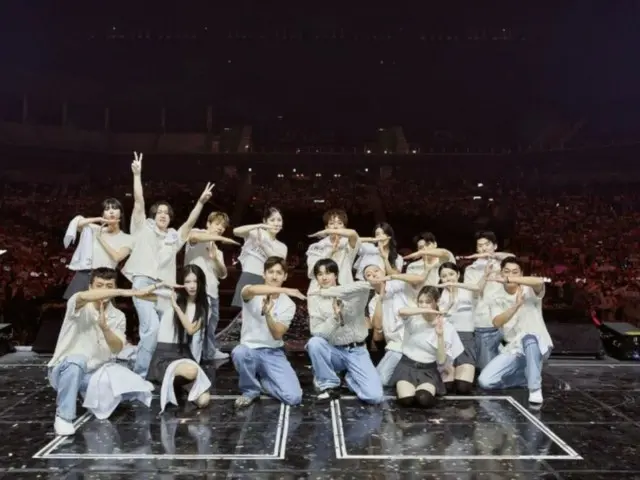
186	370
203	400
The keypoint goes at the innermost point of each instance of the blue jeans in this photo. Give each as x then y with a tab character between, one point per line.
268	370
210	341
487	345
387	366
69	378
509	370
362	377
149	320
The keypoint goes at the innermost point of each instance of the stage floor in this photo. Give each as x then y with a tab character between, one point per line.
587	429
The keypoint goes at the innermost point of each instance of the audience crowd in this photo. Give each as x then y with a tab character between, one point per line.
582	235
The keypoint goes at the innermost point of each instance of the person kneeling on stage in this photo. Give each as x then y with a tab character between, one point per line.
92	332
429	341
182	333
517	310
339	330
260	360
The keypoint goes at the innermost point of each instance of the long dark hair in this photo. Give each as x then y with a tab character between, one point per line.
116	205
393	245
202	306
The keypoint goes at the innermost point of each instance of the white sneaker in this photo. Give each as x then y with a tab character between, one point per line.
63	428
535	397
220	355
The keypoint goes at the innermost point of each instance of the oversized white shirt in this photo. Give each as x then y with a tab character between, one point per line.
472	276
370	255
344	257
397	295
100	258
324	322
81	334
528	320
417	268
420	341
459	308
255	332
198	254
154	252
257	247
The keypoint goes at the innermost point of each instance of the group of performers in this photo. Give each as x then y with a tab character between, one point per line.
438	328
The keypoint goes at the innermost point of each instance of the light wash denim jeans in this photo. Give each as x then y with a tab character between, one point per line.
509	370
362	377
69	379
387	366
487	342
149	320
268	370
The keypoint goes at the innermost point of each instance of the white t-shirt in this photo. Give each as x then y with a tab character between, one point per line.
167	332
255	332
397	295
418	268
154	252
420	341
472	275
81	335
100	258
459	309
257	247
198	254
527	320
370	255
344	257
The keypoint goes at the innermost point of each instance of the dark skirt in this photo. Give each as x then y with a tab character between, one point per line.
469	356
79	283
165	354
417	374
245	279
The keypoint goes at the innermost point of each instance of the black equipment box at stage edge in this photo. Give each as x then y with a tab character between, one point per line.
621	340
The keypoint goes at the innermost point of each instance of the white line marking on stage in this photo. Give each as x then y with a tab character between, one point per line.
448	397
341	450
23	364
49	447
160	456
279	451
592	365
344	454
285	433
337	443
544	429
458	457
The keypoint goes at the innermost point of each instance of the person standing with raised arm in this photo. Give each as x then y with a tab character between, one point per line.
202	250
153	258
487	337
338	243
260	243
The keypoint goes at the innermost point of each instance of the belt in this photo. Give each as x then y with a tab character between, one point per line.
352	345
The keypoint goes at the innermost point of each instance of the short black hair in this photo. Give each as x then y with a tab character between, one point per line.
511	259
426	236
486	234
273	261
154	209
103	273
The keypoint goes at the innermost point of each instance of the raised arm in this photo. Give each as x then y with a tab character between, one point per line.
245	230
348	233
321	325
200	236
410	278
343	291
100	294
411	311
137	216
189	326
250	291
186	227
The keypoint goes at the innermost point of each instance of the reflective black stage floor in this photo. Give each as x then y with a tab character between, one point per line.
587	429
